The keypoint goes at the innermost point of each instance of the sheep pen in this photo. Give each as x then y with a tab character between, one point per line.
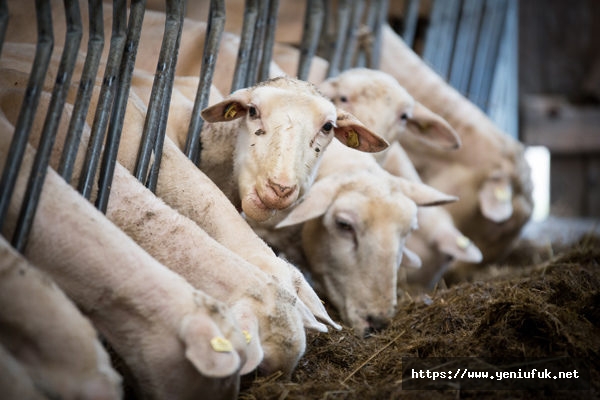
521	309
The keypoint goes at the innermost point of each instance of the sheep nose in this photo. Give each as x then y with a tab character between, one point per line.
377	323
282	190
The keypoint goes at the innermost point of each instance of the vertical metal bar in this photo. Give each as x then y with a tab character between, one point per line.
243	58
105	100
113	136
466	42
439	43
487	52
256	52
269	40
57	102
353	29
158	108
342	22
30	102
411	17
3	22
380	19
175	16
313	23
363	55
84	92
214	31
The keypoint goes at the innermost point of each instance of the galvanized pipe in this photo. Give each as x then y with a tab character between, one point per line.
269	40
380	19
84	92
35	85
313	24
158	108
411	17
55	109
113	136
214	32
342	22
3	22
352	35
110	83
246	40
256	51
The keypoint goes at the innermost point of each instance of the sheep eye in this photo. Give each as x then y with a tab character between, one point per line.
343	99
404	117
327	127
344	225
252	112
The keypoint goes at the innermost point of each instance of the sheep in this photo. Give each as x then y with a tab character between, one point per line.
489	171
352	227
284	127
15	382
167	333
46	334
437	242
378	99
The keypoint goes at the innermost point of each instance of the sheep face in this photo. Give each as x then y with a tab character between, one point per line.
354	251
382	104
285	128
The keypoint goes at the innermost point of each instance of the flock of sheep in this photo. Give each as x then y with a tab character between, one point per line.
332	188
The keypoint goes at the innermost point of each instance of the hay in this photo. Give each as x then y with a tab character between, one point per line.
543	310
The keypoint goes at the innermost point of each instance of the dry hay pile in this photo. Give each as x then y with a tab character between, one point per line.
549	309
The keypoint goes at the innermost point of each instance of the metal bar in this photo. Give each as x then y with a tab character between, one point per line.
439	43
342	22
84	92
411	17
313	23
30	102
365	44
269	40
380	19
3	22
113	136
352	35
55	109
214	32
158	108
256	52
105	100
487	52
243	57
466	42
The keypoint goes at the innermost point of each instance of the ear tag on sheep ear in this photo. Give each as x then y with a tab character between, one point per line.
352	139
501	194
230	111
247	335
463	242
221	345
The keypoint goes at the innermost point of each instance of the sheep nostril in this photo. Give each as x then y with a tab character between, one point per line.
377	323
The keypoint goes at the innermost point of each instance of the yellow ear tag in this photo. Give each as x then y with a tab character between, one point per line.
463	242
247	335
230	111
221	344
352	139
501	194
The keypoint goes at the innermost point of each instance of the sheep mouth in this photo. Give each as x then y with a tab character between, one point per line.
255	208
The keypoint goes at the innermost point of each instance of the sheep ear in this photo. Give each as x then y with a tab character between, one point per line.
459	247
410	259
232	107
207	349
432	128
495	199
422	194
315	203
351	132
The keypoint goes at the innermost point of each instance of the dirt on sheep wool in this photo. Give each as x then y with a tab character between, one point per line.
550	309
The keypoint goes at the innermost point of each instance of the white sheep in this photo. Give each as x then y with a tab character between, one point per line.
489	171
377	98
45	333
176	341
279	129
355	222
